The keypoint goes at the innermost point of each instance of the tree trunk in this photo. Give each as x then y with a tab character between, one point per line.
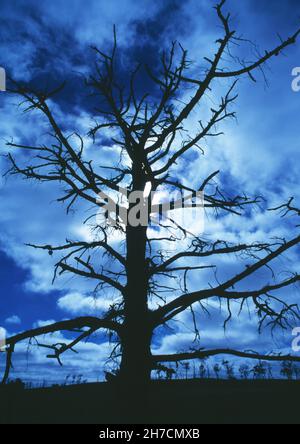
136	339
135	369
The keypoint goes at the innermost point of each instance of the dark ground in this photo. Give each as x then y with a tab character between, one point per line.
176	402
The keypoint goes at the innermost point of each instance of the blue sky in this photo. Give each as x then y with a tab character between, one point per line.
44	43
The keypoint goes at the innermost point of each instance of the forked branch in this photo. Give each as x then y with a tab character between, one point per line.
75	325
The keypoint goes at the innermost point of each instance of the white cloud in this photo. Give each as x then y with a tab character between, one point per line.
39	324
13	320
77	303
32	365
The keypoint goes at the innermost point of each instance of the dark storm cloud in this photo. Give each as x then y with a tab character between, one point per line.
54	53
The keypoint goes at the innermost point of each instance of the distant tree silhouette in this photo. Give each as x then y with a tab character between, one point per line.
244	371
259	370
229	368
270	371
287	370
150	132
297	371
217	370
186	366
202	370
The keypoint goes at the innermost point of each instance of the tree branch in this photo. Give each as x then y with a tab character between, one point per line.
71	325
202	354
182	302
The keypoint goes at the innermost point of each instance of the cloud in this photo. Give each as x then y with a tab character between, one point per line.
14	320
79	304
39	324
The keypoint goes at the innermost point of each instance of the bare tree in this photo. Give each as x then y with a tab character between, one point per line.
150	133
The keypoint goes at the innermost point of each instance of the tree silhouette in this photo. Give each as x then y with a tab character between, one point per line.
259	370
217	370
287	370
244	371
149	131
